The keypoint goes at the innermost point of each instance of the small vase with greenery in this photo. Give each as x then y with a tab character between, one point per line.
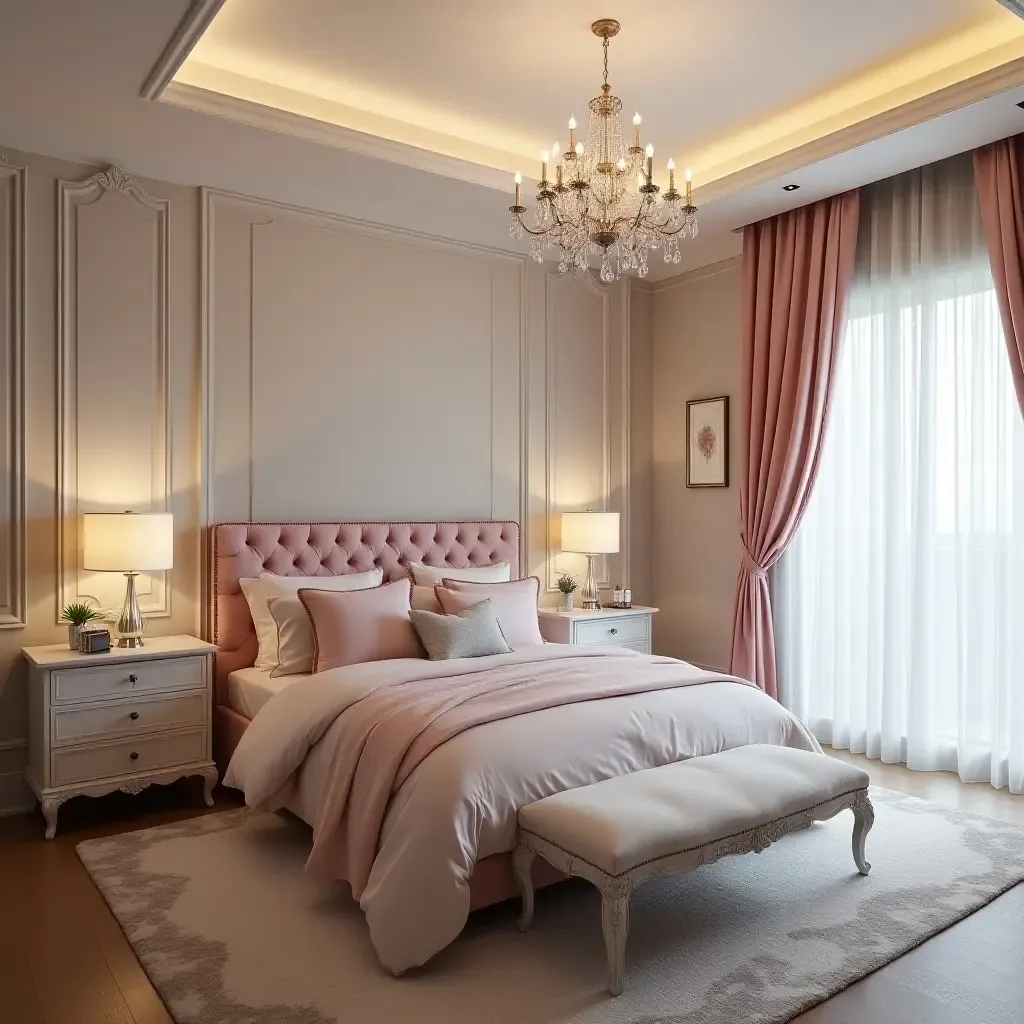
76	615
567	586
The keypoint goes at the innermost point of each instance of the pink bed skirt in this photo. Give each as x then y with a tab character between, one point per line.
492	880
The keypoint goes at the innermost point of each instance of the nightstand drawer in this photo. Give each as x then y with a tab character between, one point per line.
127	679
87	764
626	630
111	719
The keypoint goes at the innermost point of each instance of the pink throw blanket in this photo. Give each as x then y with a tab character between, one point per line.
389	732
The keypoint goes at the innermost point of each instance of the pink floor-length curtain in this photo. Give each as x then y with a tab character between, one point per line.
999	180
797	271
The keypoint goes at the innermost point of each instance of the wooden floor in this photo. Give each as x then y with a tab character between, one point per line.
64	960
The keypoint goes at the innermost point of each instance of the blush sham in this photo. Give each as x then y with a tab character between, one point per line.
514	603
350	628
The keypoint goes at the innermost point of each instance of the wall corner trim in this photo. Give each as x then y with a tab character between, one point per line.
14	599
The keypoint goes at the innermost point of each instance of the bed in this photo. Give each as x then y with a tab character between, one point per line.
626	712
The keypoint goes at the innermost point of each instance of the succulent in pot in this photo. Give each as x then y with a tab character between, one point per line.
77	614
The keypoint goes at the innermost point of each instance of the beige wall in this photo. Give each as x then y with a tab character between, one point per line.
103	399
343	371
696	330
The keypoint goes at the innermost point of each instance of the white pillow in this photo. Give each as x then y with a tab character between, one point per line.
258	592
266	629
432	575
294	636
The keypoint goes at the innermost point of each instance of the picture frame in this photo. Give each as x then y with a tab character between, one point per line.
707	442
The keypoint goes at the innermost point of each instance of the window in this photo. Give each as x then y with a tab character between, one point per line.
900	603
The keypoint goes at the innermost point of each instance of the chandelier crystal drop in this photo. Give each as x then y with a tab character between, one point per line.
603	201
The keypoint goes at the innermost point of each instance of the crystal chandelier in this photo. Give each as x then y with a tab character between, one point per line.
603	201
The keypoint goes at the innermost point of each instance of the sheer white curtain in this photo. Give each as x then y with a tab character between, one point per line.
899	607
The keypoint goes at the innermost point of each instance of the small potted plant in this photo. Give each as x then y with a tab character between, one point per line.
76	615
567	586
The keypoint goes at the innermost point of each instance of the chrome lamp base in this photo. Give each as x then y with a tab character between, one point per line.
591	595
131	625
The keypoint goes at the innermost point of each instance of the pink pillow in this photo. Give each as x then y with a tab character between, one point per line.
361	625
515	605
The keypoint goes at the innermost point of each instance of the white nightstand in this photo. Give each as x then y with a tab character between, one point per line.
609	627
124	720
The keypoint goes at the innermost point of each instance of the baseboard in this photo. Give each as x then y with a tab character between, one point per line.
15	796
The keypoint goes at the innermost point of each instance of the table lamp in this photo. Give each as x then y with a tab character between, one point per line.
130	543
591	534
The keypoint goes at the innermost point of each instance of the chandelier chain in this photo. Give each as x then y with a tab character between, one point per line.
604	43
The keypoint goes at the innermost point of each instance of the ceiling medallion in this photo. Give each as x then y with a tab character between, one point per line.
603	201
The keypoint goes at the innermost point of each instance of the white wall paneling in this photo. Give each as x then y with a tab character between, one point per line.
354	371
113	403
587	389
12	396
579	428
358	372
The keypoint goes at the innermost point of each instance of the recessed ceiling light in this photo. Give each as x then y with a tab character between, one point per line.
790	188
1021	104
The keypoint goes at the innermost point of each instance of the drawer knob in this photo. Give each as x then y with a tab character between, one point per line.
134	755
133	679
613	631
134	716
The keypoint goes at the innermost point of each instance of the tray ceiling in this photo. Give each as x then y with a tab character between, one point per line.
723	87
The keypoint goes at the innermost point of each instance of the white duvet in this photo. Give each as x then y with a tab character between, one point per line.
459	804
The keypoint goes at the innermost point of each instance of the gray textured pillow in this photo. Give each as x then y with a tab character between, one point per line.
473	633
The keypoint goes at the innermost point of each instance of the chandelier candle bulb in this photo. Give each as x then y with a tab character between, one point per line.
671	174
572	134
689	186
650	162
544	166
519	188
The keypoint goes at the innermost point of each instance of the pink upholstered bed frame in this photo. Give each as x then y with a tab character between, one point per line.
244	550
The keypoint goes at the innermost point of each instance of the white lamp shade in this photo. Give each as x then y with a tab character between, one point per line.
127	541
593	533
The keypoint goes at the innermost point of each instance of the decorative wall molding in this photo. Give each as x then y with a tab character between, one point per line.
626	427
197	20
13	574
552	507
152	436
217	208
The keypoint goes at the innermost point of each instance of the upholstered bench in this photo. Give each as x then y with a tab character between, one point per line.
669	820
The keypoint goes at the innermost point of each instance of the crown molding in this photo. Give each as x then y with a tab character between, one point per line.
189	31
259	115
943	101
1013	6
691	276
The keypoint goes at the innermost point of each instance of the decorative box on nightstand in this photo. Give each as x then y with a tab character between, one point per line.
608	627
125	719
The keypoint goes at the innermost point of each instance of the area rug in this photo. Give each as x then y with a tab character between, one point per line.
230	929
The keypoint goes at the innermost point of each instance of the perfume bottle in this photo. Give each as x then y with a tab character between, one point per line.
617	596
627	598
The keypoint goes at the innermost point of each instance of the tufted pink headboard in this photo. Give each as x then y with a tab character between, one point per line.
241	550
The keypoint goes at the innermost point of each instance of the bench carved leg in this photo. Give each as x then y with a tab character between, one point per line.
522	864
863	819
615	925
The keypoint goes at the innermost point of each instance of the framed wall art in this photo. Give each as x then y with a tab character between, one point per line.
707	442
